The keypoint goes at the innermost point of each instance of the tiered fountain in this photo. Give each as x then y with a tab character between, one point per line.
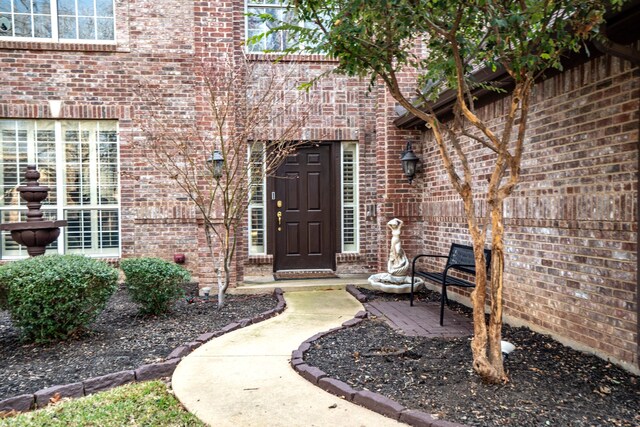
35	233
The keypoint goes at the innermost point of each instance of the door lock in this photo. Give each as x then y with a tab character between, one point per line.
279	203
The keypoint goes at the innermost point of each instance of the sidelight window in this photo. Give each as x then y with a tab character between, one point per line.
350	211
257	234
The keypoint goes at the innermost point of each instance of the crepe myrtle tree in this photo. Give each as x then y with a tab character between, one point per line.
444	43
220	158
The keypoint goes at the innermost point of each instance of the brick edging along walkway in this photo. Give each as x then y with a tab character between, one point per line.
370	400
41	398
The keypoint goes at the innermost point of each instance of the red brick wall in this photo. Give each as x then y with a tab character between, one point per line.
155	45
161	46
571	224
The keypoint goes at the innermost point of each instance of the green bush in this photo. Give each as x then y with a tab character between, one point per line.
52	297
154	283
4	290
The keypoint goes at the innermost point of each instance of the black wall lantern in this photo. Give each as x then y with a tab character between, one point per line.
215	162
409	162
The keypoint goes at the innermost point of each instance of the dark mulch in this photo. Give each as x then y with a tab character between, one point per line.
550	384
120	339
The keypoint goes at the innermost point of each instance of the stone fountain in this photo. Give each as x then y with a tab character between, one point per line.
35	233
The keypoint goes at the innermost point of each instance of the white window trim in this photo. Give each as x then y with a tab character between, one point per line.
356	196
54	31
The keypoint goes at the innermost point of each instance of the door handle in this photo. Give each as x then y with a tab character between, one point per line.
279	215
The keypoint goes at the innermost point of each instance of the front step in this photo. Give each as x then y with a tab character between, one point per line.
304	274
263	286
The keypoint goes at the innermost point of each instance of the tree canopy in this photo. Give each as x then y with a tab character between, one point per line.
380	38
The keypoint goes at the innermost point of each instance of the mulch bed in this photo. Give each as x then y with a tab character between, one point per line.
120	339
550	384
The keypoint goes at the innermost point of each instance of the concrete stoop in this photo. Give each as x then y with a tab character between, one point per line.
259	285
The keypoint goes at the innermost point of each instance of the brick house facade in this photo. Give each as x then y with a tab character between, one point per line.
572	224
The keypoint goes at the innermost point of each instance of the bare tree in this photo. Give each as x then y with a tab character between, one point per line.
254	119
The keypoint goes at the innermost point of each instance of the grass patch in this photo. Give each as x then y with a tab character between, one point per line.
138	404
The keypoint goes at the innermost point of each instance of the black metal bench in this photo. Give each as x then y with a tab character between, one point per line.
460	258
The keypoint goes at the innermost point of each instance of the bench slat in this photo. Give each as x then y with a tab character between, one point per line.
451	281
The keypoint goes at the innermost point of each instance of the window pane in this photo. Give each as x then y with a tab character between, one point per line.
7	246
42	6
5	5
42	26
85	8
66	7
109	237
108	174
6	27
86	28
274	42
22	6
67	28
104	8
78	230
92	231
22	25
257	231
105	29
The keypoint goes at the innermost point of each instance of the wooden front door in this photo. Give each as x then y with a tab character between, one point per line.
303	211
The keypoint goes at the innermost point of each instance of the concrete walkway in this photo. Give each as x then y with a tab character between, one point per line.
243	379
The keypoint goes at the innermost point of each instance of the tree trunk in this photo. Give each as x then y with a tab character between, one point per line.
221	290
497	273
486	349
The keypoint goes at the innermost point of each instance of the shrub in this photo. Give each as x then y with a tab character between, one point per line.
153	283
4	290
52	297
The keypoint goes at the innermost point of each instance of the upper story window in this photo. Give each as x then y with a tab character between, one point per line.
57	20
257	24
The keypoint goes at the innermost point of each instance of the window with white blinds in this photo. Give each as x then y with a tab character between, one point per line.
257	234
349	183
79	162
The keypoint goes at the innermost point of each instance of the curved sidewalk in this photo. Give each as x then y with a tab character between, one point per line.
244	378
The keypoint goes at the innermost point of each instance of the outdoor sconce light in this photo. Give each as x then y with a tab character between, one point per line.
409	162
215	162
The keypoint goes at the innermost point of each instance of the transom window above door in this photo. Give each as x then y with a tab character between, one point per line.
57	20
